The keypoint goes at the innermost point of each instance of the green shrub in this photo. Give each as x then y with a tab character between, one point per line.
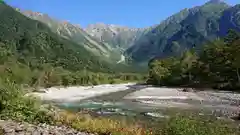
17	107
181	125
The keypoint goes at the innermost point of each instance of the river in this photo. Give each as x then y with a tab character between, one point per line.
151	102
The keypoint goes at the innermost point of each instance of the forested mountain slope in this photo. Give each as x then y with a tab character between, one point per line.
32	42
185	30
71	32
101	39
190	28
216	66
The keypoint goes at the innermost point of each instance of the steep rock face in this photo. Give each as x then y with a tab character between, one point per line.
148	44
71	32
186	29
118	37
230	20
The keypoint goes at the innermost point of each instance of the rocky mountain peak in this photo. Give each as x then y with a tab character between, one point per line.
216	2
31	13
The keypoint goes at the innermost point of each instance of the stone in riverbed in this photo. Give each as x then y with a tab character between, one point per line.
188	90
236	118
19	128
158	115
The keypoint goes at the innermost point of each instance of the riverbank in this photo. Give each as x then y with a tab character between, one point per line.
19	108
129	96
193	97
77	93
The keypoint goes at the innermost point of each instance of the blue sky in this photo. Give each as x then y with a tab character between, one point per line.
132	13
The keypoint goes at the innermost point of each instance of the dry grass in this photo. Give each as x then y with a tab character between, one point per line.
175	126
1	131
104	126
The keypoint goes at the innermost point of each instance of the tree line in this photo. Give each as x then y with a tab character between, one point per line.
216	66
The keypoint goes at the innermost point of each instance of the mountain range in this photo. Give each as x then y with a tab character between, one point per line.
32	43
187	29
115	44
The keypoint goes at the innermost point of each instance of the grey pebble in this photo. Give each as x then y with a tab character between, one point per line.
15	128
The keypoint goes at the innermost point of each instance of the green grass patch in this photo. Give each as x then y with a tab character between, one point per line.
193	125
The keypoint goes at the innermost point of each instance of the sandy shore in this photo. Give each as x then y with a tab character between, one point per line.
173	97
77	93
163	93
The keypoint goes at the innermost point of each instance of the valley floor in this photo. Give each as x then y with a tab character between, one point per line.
226	103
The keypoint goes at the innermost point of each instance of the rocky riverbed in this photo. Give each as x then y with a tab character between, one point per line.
132	98
22	128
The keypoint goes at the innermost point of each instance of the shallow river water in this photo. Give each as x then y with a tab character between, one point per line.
116	104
